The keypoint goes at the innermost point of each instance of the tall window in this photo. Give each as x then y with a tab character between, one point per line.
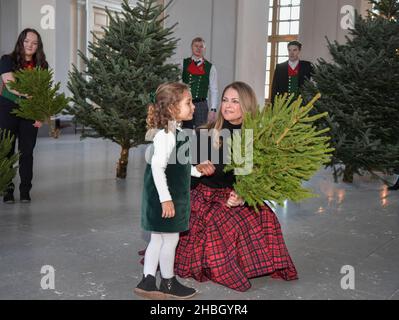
283	28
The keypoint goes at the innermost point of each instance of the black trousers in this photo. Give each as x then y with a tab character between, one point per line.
26	133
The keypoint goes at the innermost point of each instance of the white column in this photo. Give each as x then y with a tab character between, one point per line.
63	30
251	44
223	43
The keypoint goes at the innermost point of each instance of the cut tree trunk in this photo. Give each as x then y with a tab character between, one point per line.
52	130
348	175
121	169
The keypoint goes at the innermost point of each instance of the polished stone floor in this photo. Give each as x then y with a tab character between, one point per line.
85	224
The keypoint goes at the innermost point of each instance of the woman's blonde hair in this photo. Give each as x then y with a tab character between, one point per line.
248	104
167	98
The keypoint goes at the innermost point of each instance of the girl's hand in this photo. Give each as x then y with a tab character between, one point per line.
234	200
38	124
206	168
211	116
168	209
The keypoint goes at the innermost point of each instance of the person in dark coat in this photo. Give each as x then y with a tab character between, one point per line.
289	76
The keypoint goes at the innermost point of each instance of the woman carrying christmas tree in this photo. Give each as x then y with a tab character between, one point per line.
28	54
228	242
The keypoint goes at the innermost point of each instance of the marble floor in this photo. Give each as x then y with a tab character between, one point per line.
85	224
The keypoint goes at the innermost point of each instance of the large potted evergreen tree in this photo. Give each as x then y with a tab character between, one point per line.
124	68
360	91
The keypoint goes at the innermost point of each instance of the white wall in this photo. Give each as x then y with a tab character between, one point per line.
194	20
8	25
235	32
321	18
30	17
57	40
223	42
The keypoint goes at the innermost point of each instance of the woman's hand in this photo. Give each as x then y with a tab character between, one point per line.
211	116
38	124
168	209
206	168
234	200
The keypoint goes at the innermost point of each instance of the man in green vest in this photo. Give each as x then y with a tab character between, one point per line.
289	76
201	76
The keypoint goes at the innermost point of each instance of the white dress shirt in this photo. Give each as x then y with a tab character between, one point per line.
164	144
293	64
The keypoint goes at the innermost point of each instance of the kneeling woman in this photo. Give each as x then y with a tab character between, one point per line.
228	242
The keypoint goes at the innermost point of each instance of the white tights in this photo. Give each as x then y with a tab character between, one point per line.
161	249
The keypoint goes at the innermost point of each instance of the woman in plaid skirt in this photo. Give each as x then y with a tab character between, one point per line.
228	242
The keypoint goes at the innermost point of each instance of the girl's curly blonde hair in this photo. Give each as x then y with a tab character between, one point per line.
167	99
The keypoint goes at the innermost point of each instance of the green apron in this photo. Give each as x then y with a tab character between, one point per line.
178	176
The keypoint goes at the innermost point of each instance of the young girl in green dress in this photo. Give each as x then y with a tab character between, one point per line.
165	209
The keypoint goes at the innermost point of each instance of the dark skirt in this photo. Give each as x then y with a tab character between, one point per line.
231	245
178	176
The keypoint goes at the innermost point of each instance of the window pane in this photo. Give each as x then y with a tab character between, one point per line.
285	13
283	28
294	27
295	13
282	48
266	92
270	14
269	49
285	2
271	3
296	2
267	77
268	61
269	31
282	59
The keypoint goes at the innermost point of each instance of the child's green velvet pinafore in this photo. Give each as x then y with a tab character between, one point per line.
178	176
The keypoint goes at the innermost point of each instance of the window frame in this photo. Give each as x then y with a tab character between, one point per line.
274	40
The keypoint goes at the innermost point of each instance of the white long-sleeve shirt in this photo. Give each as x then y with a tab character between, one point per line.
213	84
164	144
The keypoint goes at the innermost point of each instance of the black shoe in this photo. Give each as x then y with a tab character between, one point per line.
9	197
174	289
148	288
25	197
395	186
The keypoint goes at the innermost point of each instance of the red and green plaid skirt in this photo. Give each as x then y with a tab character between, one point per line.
231	245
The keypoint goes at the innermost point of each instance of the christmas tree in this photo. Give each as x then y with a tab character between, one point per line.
286	150
360	92
126	67
388	9
7	169
43	101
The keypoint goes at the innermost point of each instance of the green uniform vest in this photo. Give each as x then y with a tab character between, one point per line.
178	176
199	84
293	85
